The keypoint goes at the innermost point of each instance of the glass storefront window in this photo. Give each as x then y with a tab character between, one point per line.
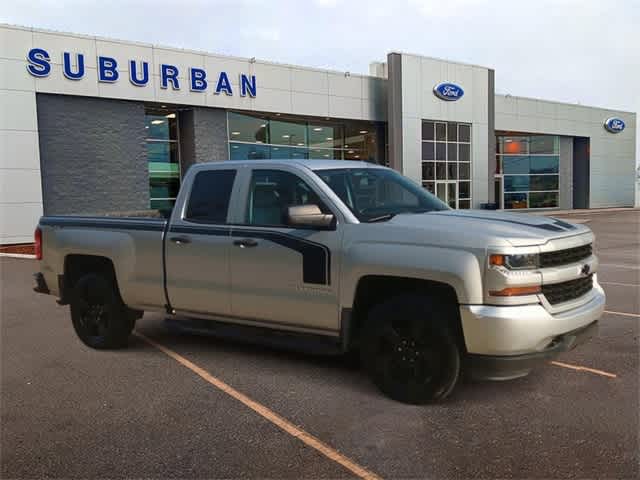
516	183
515	200
162	152
276	136
464	171
428	131
322	153
515	164
543	182
446	159
543	199
513	145
250	151
544	164
161	126
325	136
464	132
464	152
544	144
428	151
163	156
530	166
245	128
288	133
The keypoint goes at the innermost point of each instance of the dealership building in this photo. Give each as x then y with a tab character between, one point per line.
91	125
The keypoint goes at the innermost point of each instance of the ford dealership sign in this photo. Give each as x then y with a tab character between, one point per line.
448	91
614	124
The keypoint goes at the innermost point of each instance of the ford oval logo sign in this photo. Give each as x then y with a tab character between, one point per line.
448	91
614	124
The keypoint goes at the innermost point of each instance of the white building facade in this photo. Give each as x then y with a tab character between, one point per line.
91	125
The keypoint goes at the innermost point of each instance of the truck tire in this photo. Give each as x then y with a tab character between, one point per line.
409	349
99	317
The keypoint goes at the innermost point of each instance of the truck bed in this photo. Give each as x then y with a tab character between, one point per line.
131	241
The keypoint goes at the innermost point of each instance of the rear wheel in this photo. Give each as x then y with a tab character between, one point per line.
99	317
409	350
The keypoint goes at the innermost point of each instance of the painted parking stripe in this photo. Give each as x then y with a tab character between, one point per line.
584	369
624	314
266	413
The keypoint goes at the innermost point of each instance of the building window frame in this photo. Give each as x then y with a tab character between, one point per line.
526	192
330	148
440	167
172	143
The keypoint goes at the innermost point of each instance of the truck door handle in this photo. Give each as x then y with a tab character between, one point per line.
180	240
245	243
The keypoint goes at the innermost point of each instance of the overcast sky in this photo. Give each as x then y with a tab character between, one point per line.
583	51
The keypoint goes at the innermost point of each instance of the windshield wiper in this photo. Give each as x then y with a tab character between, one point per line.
381	218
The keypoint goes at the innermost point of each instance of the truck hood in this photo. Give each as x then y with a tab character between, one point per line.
491	227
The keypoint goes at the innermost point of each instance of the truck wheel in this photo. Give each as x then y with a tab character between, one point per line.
99	317
409	350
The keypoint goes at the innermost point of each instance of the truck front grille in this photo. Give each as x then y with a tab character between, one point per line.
565	257
565	291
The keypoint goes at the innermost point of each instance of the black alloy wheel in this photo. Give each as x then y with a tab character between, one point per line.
99	317
409	351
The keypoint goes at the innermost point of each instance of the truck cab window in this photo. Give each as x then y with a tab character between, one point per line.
210	195
272	192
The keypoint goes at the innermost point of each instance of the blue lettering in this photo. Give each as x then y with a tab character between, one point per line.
133	73
39	65
67	67
247	85
107	69
169	73
198	82
224	84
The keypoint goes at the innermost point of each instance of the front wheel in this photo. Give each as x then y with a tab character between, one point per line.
99	317
409	350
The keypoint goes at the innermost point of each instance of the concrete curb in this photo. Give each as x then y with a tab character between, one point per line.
18	255
589	211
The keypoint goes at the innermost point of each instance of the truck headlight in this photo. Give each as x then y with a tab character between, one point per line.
529	261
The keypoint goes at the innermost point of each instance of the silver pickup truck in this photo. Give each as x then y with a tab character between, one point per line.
343	255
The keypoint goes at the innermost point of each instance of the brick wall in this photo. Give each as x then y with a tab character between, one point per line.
92	154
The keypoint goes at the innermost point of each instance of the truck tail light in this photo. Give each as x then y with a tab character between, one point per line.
38	243
515	291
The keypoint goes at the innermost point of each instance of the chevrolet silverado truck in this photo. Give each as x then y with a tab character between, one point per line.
347	255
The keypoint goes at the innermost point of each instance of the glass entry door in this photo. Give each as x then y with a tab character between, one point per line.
447	191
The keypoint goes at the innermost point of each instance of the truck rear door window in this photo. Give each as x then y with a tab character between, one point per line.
210	195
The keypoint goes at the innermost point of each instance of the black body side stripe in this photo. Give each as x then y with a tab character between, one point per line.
88	222
202	230
316	258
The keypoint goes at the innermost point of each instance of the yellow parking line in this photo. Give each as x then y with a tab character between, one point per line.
266	413
624	314
584	369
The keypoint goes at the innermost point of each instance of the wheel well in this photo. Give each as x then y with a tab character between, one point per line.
76	266
375	289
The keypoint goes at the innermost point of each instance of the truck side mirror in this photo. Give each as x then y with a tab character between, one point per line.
309	216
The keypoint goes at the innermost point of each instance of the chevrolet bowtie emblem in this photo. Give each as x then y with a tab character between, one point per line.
585	270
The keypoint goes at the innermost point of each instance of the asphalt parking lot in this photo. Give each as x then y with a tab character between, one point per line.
68	411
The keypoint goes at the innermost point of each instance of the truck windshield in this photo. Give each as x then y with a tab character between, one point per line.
376	194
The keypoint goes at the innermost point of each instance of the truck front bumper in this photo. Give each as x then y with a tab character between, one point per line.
508	342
